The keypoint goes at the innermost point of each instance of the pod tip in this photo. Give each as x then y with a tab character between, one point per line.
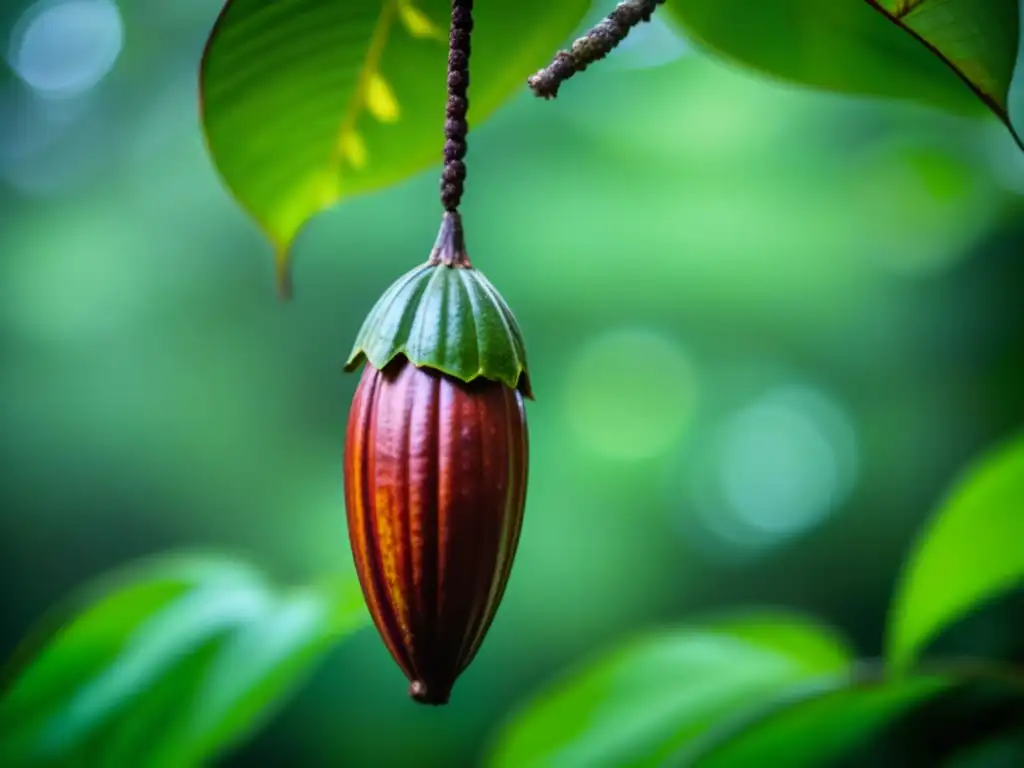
420	693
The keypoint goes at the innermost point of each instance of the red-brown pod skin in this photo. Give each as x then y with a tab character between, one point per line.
435	483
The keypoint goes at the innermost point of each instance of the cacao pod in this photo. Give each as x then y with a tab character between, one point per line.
436	464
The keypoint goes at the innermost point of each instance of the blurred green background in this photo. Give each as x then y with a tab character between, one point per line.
767	327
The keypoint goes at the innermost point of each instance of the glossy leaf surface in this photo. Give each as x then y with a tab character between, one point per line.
819	730
165	664
307	102
972	551
925	50
646	701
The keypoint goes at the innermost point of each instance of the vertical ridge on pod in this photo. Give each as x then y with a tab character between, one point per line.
360	487
433	476
514	428
436	445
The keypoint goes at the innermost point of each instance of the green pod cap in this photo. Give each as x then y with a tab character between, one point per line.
445	315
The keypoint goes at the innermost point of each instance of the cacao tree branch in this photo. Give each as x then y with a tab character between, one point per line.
593	46
453	177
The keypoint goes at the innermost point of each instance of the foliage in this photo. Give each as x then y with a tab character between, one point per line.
642	703
811	727
348	98
864	47
972	553
355	91
165	664
846	700
205	648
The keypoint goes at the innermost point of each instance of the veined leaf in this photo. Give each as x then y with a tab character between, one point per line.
978	40
164	665
642	703
308	102
972	551
925	50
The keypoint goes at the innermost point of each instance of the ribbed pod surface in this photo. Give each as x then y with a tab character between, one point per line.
435	484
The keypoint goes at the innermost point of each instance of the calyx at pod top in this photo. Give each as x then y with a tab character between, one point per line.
436	462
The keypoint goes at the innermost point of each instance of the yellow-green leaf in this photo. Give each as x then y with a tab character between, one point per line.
924	50
309	102
971	552
418	23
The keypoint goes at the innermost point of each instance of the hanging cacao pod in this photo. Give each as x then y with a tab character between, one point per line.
436	463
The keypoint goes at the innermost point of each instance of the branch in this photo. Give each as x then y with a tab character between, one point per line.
453	177
593	46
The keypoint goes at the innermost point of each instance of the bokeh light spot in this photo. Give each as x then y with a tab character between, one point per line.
778	467
66	48
778	470
630	393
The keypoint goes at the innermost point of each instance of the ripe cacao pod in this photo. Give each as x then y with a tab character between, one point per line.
436	463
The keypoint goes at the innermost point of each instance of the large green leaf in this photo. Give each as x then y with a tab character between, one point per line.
924	50
813	731
645	701
307	102
972	551
165	664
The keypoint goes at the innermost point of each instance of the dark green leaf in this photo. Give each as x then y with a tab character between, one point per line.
308	102
644	702
972	551
924	50
163	665
815	730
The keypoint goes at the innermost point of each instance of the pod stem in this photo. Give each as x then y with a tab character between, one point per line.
456	127
450	247
593	46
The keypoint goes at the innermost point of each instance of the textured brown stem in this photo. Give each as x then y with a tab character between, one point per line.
593	46
456	127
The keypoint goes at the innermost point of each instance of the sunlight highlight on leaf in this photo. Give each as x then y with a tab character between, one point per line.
381	100
307	103
353	149
816	730
165	664
972	551
417	23
648	699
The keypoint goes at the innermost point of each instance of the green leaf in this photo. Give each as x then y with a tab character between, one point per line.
812	730
165	664
925	50
972	551
308	102
644	702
